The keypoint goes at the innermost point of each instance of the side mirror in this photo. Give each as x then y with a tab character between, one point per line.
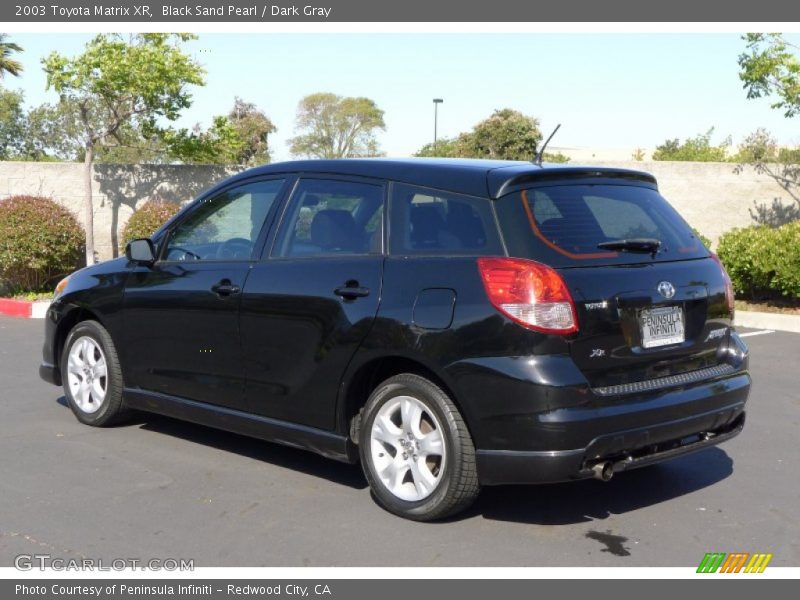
141	251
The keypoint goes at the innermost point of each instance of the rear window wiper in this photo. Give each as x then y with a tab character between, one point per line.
650	245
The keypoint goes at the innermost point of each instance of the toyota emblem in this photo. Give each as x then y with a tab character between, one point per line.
666	289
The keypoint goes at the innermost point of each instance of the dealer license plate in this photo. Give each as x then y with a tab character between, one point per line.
661	326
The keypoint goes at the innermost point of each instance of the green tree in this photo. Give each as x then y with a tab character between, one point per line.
253	128
332	126
760	151
118	82
698	148
220	144
133	145
8	64
770	68
507	134
239	138
445	147
38	134
53	133
12	124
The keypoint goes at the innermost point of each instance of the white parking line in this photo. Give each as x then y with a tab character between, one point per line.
764	332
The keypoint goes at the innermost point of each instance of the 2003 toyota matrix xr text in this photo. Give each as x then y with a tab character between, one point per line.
447	323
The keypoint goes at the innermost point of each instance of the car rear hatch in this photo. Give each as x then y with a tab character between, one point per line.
653	305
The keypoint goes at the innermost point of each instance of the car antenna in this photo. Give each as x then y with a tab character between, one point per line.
540	154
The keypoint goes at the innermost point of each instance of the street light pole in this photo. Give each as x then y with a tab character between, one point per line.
436	103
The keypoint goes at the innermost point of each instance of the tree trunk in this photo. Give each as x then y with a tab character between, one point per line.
88	205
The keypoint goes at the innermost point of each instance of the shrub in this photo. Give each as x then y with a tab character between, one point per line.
746	256
39	241
786	257
763	262
698	148
147	219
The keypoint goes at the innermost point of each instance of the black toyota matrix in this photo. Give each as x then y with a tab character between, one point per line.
447	323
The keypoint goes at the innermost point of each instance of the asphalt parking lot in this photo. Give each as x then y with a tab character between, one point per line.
159	488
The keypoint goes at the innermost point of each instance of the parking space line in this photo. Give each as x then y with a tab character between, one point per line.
764	332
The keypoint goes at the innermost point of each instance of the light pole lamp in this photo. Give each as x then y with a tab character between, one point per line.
436	103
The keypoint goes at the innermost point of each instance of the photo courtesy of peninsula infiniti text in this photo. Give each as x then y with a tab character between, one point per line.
446	323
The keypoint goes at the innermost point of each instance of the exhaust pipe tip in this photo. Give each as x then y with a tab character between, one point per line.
603	471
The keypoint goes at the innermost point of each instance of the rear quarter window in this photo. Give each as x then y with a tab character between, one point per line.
562	225
433	222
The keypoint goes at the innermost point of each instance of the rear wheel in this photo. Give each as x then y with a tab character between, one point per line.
91	375
415	449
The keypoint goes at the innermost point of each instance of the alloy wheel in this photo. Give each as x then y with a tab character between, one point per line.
407	448
87	374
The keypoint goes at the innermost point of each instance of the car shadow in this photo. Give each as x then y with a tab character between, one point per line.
590	500
549	504
276	454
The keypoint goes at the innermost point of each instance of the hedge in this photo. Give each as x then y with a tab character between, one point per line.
40	241
763	262
146	220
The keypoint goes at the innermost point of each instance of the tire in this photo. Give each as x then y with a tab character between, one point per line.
410	474
88	346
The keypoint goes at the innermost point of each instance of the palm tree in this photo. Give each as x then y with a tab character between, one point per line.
8	64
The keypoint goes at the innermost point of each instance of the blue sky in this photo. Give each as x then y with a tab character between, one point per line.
607	90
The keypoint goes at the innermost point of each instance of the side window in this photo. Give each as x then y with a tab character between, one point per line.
432	222
226	226
327	217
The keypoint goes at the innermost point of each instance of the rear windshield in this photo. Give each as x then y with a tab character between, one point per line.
562	225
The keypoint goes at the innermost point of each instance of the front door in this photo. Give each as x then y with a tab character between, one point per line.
182	314
310	303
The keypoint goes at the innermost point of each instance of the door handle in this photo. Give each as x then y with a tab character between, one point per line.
351	290
225	288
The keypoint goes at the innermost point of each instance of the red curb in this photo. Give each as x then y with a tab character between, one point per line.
16	308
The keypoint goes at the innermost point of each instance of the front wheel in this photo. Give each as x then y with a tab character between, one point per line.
92	376
416	451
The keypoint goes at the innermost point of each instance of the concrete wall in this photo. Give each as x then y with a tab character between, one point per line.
117	190
713	197
710	196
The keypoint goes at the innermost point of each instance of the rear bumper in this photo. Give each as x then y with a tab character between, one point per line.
536	420
625	450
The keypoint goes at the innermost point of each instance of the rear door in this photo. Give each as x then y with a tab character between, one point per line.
642	314
311	301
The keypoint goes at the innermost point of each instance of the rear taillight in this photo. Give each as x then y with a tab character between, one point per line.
728	283
529	293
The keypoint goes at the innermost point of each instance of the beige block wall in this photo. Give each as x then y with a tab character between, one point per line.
710	196
117	190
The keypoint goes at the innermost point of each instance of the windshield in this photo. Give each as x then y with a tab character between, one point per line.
571	225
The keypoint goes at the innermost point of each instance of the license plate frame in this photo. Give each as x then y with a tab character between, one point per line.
662	326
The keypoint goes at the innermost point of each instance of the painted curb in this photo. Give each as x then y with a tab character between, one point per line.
24	309
762	320
39	309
